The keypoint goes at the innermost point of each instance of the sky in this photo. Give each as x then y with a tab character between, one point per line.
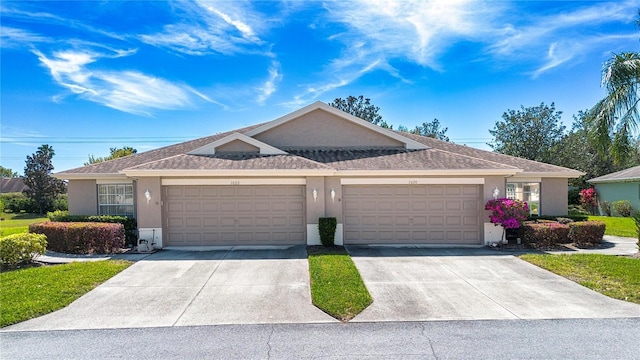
86	76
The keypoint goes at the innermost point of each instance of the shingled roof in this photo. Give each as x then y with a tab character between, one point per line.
10	185
427	154
627	175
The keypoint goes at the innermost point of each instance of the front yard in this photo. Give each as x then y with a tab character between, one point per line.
16	223
618	226
615	276
35	291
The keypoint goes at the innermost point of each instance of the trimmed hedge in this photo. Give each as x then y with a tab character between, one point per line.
81	237
586	233
130	224
573	217
327	230
21	248
547	234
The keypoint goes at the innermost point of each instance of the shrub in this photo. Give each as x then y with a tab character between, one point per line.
622	208
574	197
606	207
575	210
20	248
573	217
1	207
546	234
588	199
130	224
81	237
507	212
17	202
586	233
327	230
564	220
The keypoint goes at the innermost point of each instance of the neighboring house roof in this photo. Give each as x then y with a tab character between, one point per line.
384	151
10	185
627	175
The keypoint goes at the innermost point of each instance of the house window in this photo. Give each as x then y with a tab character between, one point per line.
115	199
529	192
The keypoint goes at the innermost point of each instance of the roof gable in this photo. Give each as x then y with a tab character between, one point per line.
320	125
234	141
626	175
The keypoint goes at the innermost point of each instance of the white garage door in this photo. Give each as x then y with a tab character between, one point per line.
234	215
412	214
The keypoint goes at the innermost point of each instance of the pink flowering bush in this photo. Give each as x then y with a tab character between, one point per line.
588	199
508	213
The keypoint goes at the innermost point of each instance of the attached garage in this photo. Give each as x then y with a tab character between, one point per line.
234	215
412	214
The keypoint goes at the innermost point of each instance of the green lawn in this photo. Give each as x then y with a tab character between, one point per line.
32	292
336	285
615	276
618	226
18	223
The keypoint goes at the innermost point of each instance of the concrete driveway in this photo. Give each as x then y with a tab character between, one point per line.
182	288
421	284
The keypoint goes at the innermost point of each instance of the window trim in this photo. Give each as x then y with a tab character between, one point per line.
132	204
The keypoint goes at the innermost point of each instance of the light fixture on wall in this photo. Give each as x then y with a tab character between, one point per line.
496	192
333	195
315	195
147	195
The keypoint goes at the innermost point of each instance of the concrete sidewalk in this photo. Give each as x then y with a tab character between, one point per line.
423	284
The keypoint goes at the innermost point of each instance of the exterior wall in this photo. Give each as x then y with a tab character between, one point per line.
237	146
315	208
149	214
83	197
619	191
554	196
492	233
314	130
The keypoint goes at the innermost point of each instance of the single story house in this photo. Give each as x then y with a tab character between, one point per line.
268	184
12	185
621	185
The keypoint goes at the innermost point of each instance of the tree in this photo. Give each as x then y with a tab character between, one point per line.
528	133
615	119
115	153
577	150
43	188
429	129
360	107
7	173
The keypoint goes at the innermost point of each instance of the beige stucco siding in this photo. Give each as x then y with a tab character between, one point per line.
315	208
149	213
324	130
83	197
554	200
237	146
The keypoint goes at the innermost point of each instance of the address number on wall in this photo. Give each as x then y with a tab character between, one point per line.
413	182
235	182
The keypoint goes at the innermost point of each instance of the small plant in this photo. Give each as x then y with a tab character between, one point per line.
636	219
622	208
588	199
606	207
327	230
17	249
54	215
564	220
508	213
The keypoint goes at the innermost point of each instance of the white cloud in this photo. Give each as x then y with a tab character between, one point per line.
211	27
16	38
269	86
127	91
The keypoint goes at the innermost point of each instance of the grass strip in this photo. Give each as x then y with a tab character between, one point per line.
336	285
18	223
618	226
615	276
35	291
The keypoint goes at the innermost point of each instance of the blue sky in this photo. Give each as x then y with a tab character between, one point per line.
85	76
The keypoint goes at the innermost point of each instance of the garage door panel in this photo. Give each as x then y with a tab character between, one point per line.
438	214
234	215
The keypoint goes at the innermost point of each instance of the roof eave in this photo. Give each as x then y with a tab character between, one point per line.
88	176
553	174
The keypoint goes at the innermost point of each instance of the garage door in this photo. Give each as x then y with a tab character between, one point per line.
412	214
234	215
